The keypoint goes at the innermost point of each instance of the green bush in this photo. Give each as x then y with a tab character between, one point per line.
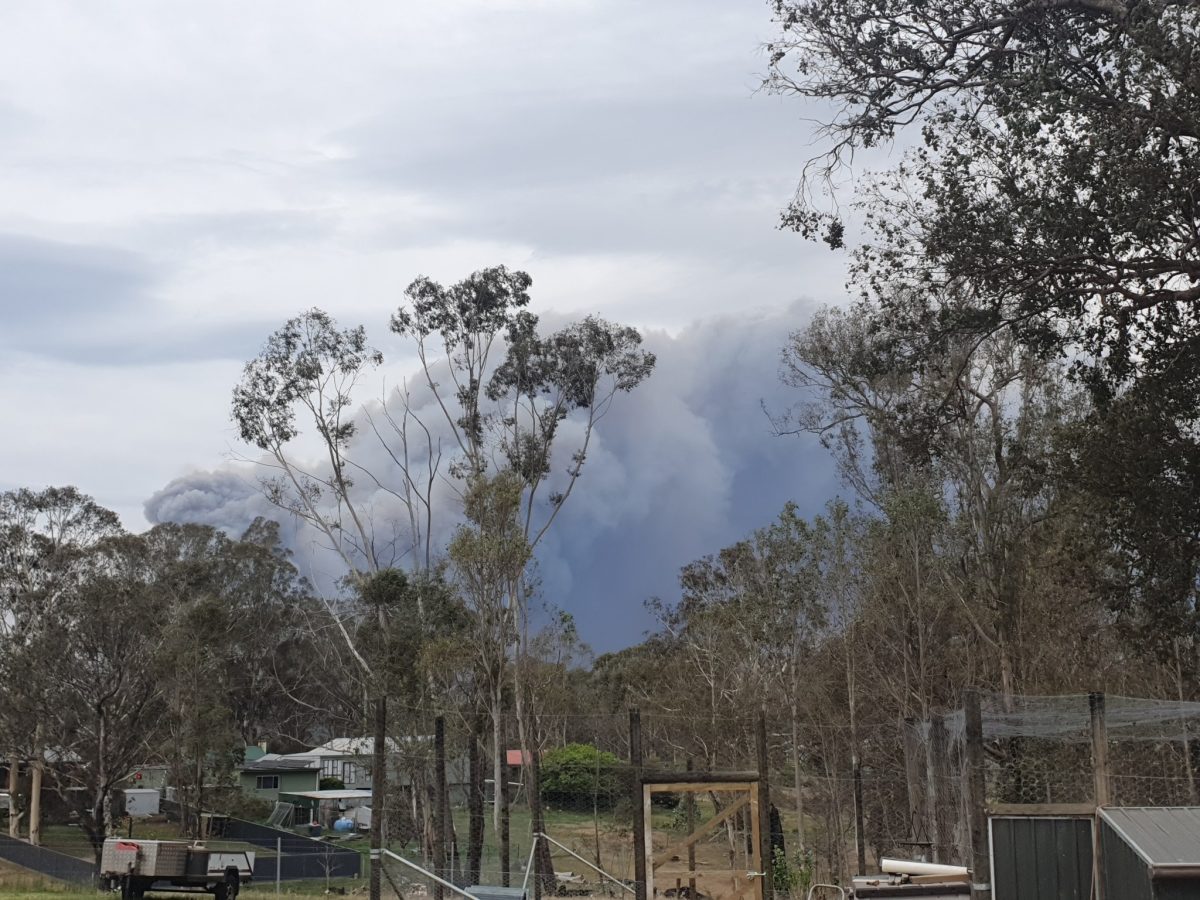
793	877
329	783
578	775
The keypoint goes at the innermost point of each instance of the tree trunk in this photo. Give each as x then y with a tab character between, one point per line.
798	784
35	788
542	861
475	800
14	794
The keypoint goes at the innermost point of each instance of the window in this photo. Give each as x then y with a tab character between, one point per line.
329	768
266	783
350	774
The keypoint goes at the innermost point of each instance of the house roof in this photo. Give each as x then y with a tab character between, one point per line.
329	795
350	746
273	762
1166	837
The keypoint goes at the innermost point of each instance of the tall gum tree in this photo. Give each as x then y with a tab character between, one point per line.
500	392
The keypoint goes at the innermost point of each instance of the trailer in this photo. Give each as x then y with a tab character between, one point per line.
135	866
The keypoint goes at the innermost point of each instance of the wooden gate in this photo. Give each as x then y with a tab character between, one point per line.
691	867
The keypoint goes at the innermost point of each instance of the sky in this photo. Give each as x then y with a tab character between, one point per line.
177	179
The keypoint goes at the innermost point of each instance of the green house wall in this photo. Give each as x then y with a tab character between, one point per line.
289	783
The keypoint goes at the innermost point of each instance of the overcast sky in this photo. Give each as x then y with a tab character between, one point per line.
178	178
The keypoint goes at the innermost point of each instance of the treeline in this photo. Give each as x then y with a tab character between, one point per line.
174	647
1012	398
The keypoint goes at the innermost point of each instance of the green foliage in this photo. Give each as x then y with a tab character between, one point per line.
580	774
329	783
792	876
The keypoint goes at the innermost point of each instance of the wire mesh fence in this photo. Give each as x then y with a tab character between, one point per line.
555	804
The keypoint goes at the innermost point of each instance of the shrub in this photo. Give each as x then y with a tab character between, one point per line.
578	775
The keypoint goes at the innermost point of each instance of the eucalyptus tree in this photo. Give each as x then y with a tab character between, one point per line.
1048	194
1056	152
228	681
45	538
499	394
973	429
95	666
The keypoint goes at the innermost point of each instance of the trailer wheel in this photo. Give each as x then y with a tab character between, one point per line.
227	889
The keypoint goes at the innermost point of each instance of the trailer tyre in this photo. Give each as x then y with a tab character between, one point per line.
228	888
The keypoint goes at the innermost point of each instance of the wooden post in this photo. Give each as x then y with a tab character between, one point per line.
639	822
502	798
937	775
764	806
1099	748
981	864
378	793
690	800
439	807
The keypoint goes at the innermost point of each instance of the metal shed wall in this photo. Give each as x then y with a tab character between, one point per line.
1041	858
1125	875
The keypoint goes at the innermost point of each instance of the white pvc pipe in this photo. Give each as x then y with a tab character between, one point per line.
529	867
428	874
911	867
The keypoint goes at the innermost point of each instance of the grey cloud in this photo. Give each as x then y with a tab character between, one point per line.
96	305
556	140
44	283
681	467
251	228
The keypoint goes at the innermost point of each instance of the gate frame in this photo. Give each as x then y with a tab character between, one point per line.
702	782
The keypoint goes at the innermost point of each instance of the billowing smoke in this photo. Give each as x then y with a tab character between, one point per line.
683	466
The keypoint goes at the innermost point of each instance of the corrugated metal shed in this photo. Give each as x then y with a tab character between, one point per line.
1045	858
1166	837
1150	853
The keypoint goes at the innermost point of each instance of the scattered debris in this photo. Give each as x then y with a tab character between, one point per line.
914	880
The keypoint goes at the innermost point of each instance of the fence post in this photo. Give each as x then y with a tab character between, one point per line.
981	864
639	822
439	809
764	807
278	861
690	805
1099	748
